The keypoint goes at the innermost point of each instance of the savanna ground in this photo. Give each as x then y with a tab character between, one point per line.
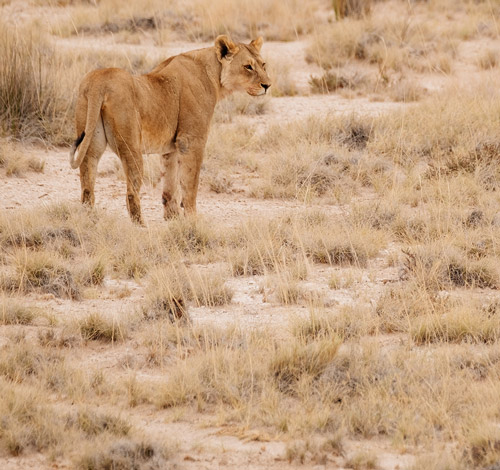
335	302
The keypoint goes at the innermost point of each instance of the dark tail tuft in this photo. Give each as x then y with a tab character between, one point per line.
79	140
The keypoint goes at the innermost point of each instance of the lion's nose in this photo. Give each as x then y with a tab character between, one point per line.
265	86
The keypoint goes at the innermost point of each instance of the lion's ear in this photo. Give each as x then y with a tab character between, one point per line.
225	48
257	43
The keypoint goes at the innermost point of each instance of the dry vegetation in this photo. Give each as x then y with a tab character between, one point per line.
367	312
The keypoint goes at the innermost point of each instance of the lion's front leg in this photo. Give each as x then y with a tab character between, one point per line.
171	190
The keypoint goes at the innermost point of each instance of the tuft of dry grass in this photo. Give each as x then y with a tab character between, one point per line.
333	80
13	312
362	461
97	327
41	271
16	162
33	102
291	362
438	267
125	453
489	59
356	8
195	20
464	323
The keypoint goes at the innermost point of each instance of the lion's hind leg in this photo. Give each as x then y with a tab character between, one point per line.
171	189
134	173
88	167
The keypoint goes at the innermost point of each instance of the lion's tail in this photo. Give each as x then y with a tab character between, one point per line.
85	138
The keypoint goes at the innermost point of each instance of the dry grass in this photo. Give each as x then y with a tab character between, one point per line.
345	8
33	102
13	312
16	162
96	326
398	38
386	298
194	20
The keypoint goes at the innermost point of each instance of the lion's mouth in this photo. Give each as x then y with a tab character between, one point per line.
253	92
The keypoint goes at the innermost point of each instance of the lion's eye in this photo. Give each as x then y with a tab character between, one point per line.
248	67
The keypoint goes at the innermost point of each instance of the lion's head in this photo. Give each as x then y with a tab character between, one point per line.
242	66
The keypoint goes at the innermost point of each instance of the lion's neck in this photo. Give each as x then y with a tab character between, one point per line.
213	68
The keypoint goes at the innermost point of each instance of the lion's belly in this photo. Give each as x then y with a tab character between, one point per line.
151	145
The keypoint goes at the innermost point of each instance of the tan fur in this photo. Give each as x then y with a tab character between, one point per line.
166	111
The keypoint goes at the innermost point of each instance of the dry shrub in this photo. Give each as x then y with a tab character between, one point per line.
97	327
92	273
465	323
254	376
317	325
393	41
333	80
209	288
172	287
219	183
398	305
259	248
13	312
240	104
275	20
352	131
190	235
335	45
407	91
282	83
197	20
317	157
32	101
354	8
167	294
96	439
343	244
362	461
27	423
133	453
483	447
93	423
488	60
438	131
16	162
440	267
43	272
291	362
22	361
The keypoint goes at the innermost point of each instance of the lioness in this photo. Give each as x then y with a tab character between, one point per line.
166	111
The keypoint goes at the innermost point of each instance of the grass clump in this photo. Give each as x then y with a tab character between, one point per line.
362	461
292	362
343	245
356	8
42	272
97	327
22	361
16	162
13	312
465	323
334	80
124	453
93	424
483	447
438	267
32	101
27	423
